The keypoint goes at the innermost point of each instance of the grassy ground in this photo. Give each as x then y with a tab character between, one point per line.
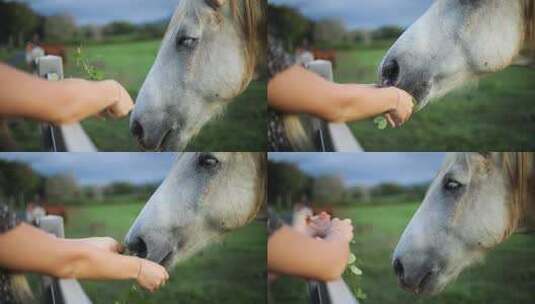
242	128
497	114
507	275
230	272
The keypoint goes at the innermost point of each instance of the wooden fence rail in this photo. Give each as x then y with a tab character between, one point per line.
60	291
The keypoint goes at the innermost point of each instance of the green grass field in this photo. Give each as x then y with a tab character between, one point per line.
241	128
232	271
495	114
507	275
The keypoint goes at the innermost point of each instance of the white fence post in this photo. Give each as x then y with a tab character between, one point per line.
70	291
66	138
341	137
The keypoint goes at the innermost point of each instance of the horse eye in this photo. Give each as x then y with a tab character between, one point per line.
208	161
452	185
186	41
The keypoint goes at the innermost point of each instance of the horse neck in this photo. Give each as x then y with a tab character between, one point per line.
529	21
527	223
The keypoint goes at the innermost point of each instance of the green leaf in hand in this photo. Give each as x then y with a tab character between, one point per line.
355	270
352	259
380	122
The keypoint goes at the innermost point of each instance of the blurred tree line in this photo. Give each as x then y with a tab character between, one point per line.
20	184
20	24
296	30
289	185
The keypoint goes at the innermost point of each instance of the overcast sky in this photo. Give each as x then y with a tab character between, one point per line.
104	11
355	13
367	168
100	168
362	13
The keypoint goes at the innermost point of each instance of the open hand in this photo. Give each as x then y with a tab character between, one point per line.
403	110
151	276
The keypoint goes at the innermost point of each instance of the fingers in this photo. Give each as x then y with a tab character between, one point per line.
390	120
123	103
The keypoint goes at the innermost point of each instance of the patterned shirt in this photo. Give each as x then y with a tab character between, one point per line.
278	60
8	221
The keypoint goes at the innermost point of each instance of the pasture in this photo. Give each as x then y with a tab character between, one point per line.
230	272
495	114
507	275
241	128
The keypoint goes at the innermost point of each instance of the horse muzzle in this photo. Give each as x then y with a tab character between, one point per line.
420	279
398	72
153	132
152	248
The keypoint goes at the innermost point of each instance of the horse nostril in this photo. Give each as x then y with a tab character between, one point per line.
138	247
390	73
398	268
137	129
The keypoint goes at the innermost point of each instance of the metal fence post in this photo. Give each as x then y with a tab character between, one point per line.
51	68
340	137
59	290
71	138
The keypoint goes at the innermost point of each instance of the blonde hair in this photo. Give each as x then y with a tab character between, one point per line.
251	19
518	168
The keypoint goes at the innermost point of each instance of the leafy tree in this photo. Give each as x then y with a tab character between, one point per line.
287	183
387	32
328	189
60	28
289	24
61	187
119	28
18	182
329	31
18	23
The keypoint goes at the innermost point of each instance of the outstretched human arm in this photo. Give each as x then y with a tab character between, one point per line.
297	90
294	253
28	249
60	102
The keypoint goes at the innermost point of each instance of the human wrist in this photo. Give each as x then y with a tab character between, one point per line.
342	97
109	90
392	97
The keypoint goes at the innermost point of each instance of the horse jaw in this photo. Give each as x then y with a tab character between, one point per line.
453	43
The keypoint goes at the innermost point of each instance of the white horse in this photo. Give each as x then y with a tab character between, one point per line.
456	41
208	56
204	196
475	203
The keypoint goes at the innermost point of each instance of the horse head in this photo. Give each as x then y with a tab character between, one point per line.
207	58
204	196
456	41
475	202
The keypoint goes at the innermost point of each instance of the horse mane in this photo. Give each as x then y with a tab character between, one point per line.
519	168
529	21
251	19
261	192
